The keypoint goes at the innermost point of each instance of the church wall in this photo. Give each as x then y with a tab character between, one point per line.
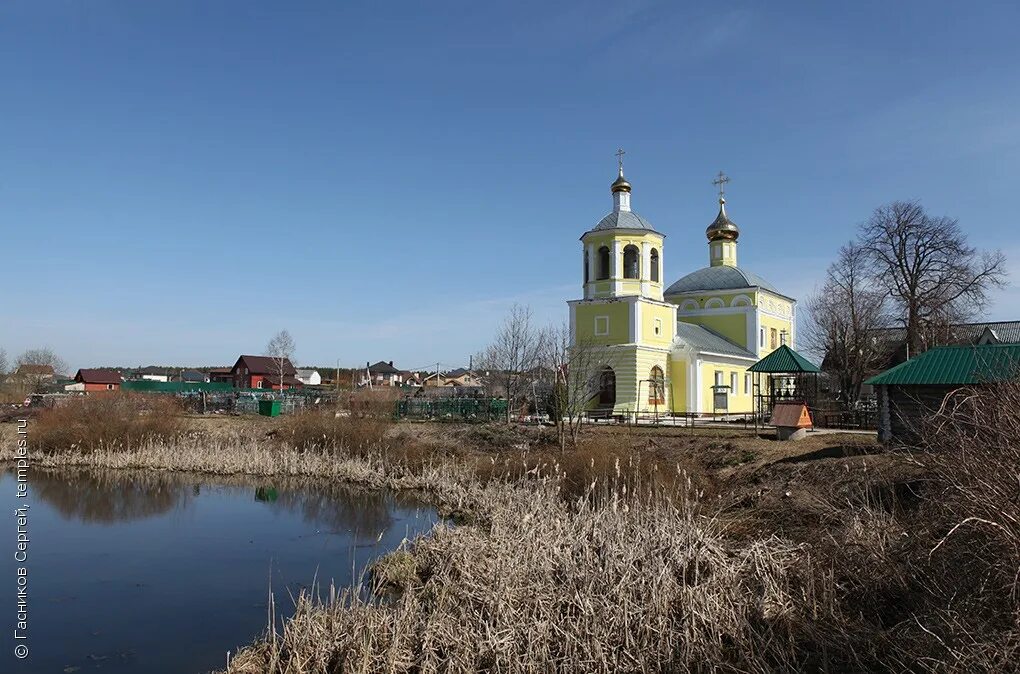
732	326
666	317
739	402
618	314
768	323
678	382
701	298
633	368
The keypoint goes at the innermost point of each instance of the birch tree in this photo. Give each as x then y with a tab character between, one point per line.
281	349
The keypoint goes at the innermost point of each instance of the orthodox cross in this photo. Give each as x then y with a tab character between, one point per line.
619	159
721	181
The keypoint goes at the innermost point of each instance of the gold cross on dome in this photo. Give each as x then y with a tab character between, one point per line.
619	159
721	181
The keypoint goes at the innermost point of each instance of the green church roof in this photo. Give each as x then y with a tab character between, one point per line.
959	365
784	360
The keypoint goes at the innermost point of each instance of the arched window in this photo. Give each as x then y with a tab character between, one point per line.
714	303
607	386
631	262
654	271
586	266
657	387
603	271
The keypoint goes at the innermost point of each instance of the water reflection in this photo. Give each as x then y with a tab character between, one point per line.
95	496
105	497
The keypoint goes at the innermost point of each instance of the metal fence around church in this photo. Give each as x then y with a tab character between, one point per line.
453	409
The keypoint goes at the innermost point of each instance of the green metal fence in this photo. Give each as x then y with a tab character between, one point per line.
471	409
146	386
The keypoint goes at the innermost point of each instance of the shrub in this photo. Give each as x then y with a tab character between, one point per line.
968	562
327	428
122	420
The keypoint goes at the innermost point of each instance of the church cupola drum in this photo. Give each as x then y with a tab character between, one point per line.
722	233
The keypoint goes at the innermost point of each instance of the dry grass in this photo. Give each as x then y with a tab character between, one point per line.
106	422
329	430
601	584
967	562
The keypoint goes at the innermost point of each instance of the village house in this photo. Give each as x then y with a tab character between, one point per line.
191	377
90	380
150	373
381	374
221	375
263	372
309	377
409	378
34	373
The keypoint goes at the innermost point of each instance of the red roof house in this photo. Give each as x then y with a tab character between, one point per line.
263	372
98	380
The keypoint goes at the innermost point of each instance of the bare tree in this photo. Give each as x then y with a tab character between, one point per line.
281	349
576	367
513	355
843	319
3	363
45	357
926	268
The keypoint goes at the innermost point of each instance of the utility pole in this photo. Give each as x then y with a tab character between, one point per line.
338	378
437	376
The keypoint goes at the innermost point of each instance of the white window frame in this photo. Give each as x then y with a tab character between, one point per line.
718	377
604	322
747	383
733	382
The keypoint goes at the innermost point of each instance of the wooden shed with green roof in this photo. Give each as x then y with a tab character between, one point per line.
915	389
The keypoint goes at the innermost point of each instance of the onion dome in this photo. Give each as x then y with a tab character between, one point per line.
722	227
620	184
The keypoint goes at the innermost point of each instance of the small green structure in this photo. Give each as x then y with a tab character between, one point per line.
269	408
789	378
915	389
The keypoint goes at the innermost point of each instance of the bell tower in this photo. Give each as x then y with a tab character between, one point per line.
623	314
622	253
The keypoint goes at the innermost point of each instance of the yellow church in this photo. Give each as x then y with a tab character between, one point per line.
678	348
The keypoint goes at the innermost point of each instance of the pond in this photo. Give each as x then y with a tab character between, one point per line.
153	572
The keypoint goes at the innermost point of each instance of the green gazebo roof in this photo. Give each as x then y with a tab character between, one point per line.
956	365
784	360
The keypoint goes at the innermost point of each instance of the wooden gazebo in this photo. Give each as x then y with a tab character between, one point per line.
787	377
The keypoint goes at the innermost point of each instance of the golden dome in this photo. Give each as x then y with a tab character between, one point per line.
620	184
722	227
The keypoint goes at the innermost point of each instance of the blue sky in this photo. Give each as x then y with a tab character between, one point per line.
179	180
